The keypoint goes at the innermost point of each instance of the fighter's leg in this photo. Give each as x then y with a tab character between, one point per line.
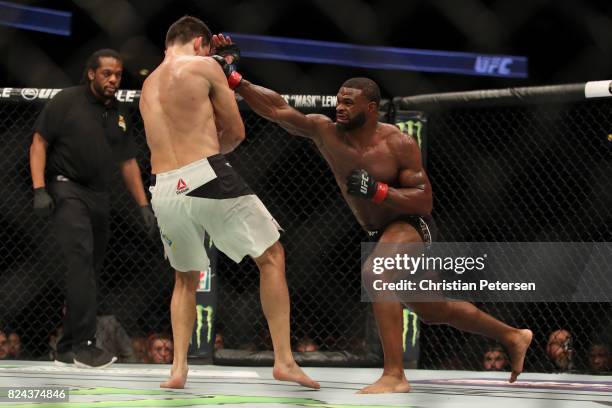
275	303
467	317
183	314
459	314
388	315
182	236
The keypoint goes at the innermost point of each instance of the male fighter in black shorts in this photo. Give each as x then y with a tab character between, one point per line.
379	172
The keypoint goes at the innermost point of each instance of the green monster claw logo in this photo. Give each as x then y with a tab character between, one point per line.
409	126
408	316
178	398
209	314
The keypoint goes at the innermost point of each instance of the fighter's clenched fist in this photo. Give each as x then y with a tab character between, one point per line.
360	183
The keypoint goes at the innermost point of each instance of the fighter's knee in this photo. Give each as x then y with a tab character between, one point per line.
274	254
427	319
433	313
277	250
187	280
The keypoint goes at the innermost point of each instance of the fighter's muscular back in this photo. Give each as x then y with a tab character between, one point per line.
180	102
391	156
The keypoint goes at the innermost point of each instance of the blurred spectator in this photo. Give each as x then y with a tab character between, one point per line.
306	345
139	346
14	345
330	343
161	349
560	351
599	357
495	359
4	346
218	340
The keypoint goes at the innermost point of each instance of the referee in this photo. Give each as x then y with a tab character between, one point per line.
79	137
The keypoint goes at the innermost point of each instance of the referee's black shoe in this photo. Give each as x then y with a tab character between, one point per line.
64	359
90	356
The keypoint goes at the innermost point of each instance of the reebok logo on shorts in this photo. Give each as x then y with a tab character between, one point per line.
181	187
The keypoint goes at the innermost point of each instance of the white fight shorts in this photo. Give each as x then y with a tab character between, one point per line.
209	196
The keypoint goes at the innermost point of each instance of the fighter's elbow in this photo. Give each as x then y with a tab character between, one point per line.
428	207
427	200
421	203
234	131
239	133
231	138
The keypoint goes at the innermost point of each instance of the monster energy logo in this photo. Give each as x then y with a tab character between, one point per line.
408	127
209	315
415	327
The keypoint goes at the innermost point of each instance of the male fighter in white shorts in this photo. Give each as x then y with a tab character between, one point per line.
191	119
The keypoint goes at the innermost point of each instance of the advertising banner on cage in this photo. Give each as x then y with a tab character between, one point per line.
414	123
202	339
302	102
488	272
410	338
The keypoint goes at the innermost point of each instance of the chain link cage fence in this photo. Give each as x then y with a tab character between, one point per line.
518	172
520	165
321	240
135	284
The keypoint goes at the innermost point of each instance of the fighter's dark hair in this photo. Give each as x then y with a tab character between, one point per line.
93	62
186	29
368	88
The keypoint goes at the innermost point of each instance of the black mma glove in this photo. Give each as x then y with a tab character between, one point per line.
148	219
43	203
359	183
233	77
230	50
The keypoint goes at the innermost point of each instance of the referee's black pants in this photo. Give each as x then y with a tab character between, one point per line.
81	222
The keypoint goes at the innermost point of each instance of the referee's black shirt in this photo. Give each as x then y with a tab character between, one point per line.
86	138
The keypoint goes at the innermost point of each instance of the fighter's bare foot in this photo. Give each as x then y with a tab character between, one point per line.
178	378
293	373
517	348
386	384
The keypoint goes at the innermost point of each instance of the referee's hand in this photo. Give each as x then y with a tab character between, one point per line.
43	203
149	220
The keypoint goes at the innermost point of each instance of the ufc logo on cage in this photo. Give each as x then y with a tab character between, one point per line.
364	183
